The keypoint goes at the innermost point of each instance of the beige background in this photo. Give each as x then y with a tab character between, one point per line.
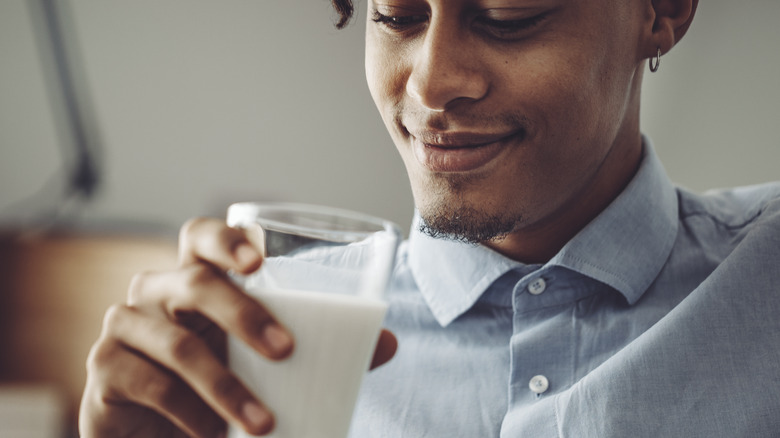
200	103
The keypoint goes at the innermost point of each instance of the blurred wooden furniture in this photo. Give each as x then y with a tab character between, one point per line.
54	290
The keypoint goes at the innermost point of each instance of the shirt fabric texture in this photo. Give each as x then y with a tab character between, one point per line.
661	318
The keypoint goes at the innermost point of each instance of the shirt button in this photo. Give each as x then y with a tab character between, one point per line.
537	286
539	384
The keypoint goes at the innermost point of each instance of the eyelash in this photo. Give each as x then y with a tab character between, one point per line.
502	29
399	22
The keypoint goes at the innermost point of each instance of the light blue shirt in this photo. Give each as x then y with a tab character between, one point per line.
661	318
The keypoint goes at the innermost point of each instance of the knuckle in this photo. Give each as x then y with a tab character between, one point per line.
114	318
188	235
104	351
184	346
213	234
189	228
198	277
157	388
138	284
100	355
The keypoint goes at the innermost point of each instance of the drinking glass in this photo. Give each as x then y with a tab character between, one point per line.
323	277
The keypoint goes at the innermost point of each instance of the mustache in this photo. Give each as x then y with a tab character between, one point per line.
460	120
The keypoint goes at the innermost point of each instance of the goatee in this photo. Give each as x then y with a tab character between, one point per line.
466	224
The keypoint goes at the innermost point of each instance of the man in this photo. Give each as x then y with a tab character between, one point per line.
557	284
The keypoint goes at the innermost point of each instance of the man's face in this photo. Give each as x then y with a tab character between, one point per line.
505	112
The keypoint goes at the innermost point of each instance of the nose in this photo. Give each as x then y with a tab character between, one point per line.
445	71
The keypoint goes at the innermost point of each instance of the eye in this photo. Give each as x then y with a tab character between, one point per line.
398	22
508	29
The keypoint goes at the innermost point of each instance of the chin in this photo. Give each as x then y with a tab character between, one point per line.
452	218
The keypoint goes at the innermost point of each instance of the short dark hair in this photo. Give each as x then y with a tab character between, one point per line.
344	8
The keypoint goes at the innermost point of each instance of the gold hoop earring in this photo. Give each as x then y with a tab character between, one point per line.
654	65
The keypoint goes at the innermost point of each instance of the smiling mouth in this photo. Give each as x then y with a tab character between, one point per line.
459	151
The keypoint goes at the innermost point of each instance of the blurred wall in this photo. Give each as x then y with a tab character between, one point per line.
200	103
713	106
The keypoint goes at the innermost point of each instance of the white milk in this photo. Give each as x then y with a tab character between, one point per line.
313	392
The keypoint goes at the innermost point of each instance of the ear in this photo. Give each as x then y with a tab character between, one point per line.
672	18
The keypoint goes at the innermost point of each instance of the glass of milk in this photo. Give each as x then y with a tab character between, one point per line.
324	275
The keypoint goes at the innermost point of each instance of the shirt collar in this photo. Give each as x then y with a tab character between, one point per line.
624	247
628	243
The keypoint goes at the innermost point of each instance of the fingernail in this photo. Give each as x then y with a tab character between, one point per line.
257	418
246	255
277	339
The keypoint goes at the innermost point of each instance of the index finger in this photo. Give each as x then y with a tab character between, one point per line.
202	289
211	241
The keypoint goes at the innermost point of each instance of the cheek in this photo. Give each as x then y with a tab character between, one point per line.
568	92
383	74
547	77
374	73
386	76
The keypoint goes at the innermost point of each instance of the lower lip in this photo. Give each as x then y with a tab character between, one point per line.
461	159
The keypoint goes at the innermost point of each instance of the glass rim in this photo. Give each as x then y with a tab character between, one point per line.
243	213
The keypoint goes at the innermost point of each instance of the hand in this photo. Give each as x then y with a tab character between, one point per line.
158	368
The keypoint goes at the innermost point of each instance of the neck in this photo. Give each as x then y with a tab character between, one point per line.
539	242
